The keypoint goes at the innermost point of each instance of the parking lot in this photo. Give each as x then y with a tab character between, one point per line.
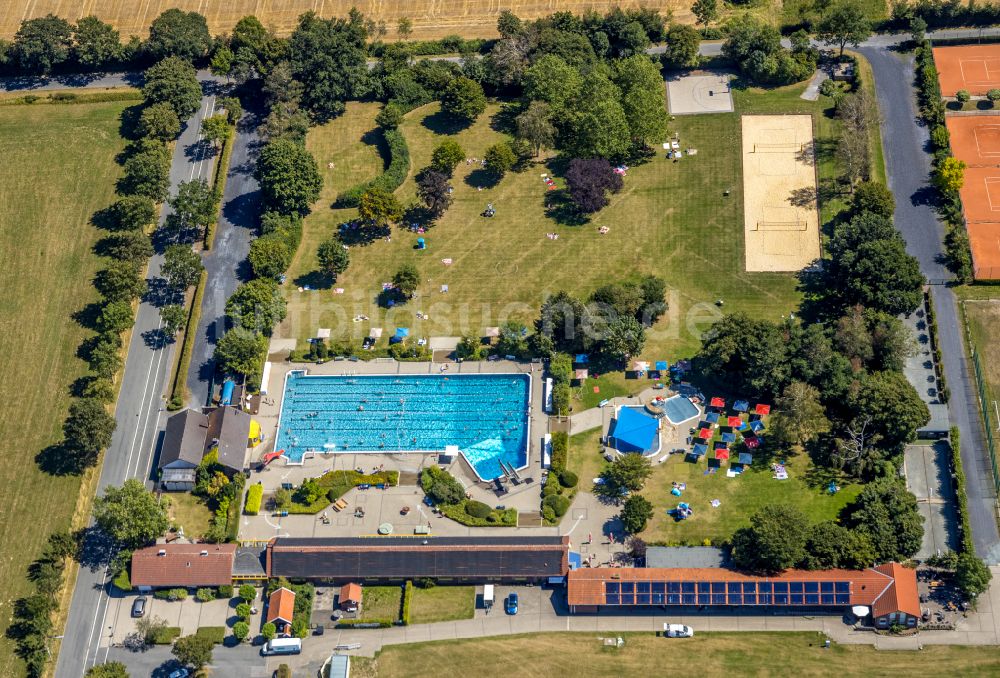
928	477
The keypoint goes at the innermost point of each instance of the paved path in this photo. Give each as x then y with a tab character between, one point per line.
908	165
138	412
226	262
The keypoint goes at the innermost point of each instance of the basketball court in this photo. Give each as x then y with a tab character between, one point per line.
974	68
780	212
976	140
706	93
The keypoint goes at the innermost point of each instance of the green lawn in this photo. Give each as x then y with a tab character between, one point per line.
982	317
442	603
190	512
381	602
583	655
739	497
58	168
670	219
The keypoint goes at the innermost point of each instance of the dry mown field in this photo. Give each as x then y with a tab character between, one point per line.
431	18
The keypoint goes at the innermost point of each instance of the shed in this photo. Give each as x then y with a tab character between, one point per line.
281	608
350	597
182	450
634	431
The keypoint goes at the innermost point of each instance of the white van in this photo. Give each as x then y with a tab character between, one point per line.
488	597
282	646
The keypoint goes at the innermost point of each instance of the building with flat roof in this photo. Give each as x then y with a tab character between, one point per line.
446	559
888	591
182	566
685	556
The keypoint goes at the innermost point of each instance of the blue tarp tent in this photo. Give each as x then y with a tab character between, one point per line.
712	417
745	458
741	406
699	449
401	333
661	365
633	431
226	397
582	359
757	425
729	437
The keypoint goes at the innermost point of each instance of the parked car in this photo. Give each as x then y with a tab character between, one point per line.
510	605
677	631
179	673
139	607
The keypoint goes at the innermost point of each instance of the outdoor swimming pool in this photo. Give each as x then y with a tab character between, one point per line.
679	409
484	415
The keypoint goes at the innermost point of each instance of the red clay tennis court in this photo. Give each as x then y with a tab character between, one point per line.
976	140
975	68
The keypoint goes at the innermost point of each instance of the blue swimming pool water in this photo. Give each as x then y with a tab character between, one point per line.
485	415
679	409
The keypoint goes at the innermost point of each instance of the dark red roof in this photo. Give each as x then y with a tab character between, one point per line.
183	565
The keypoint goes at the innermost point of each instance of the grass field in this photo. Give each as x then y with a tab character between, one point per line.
711	654
58	169
190	512
670	219
739	497
442	603
381	602
982	317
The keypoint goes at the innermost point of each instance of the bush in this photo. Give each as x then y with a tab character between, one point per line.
171	594
397	168
404	614
217	634
441	486
568	479
283	672
300	627
548	515
457	512
558	503
248	592
254	496
560	448
425	583
364	623
268	631
552	485
241	630
243	610
962	96
477	509
164	635
122	582
205	595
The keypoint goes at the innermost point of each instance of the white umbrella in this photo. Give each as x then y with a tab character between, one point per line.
860	611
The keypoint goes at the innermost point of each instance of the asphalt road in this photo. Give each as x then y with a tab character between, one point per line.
139	411
908	164
226	262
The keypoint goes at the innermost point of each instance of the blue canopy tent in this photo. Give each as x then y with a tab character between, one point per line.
633	431
699	450
741	406
401	333
661	365
582	358
729	437
757	425
712	417
746	458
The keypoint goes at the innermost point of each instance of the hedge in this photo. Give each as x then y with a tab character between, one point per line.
217	634
179	390
226	591
337	483
404	614
254	496
364	623
560	448
171	594
165	635
944	394
219	184
457	512
395	172
965	527
77	98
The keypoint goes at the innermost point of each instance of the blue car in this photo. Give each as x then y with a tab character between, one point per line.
510	605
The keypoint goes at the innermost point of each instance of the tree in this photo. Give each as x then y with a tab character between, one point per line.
130	213
635	513
464	99
222	61
500	158
181	267
406	280
130	514
232	107
174	319
623	338
105	355
216	129
446	156
257	305
175	82
550	80
248	593
893	406
470	347
379	206
87	430
508	24
289	177
705	11
875	197
513	339
950	174
404	27
597	127
120	281
147	174
774	541
993	95
194	207
628	472
240	351
181	34
268	631
41	44
683	42
133	246
441	486
589	182
434	190
115	317
844	23
799	416
194	651
642	98
832	546
972	575
963	96
95	43
269	256
333	257
886	512
534	126
160	122
108	670
328	57
241	630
